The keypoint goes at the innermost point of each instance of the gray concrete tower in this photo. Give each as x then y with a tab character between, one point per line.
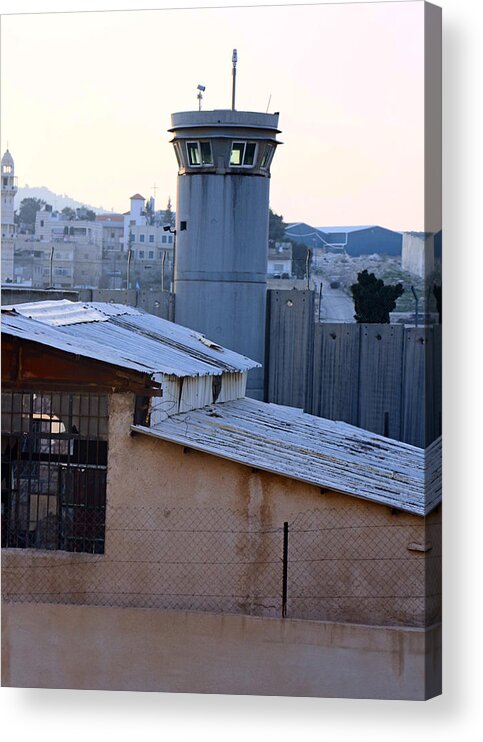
222	209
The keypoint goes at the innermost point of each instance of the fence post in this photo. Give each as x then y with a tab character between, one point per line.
285	570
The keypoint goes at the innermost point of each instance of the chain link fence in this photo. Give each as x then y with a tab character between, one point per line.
322	565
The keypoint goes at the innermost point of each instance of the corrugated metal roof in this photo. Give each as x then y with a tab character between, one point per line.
123	336
322	452
55	337
58	313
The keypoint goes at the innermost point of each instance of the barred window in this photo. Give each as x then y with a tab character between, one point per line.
54	465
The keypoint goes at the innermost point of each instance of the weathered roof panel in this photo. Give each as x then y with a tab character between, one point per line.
123	336
311	449
54	337
58	313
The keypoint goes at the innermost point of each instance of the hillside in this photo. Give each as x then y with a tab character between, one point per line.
57	201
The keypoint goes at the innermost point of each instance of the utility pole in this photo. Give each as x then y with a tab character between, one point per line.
51	267
168	228
163	260
129	255
307	267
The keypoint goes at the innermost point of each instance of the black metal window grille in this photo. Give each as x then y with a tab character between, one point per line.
54	464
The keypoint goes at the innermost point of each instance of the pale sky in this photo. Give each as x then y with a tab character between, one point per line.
87	98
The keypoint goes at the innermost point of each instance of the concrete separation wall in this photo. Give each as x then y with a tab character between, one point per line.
157	302
381	377
92	647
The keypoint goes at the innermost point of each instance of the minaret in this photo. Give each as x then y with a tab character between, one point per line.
220	278
9	189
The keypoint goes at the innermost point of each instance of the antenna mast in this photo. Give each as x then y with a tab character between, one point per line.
201	90
234	60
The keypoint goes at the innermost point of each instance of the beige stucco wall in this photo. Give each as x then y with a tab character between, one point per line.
86	647
187	530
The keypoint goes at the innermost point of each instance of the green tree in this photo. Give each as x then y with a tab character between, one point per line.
276	227
68	213
90	215
299	259
373	300
28	211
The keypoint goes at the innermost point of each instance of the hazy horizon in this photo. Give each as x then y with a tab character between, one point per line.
87	98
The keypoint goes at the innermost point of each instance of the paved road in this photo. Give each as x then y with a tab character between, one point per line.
336	306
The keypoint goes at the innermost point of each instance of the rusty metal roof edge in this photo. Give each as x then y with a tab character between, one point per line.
76	352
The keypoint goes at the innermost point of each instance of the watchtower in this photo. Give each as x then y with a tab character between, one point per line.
220	277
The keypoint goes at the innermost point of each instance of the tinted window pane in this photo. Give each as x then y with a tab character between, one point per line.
267	156
193	153
206	156
178	154
236	157
249	153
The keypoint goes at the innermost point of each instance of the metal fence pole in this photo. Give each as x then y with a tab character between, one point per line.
285	570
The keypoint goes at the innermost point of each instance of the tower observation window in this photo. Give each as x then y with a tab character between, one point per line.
267	156
177	152
243	154
199	154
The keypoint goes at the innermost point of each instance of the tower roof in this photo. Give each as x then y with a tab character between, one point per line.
137	197
232	120
7	158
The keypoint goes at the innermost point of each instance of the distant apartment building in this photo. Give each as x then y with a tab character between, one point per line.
52	226
149	243
114	251
43	264
61	253
280	260
113	254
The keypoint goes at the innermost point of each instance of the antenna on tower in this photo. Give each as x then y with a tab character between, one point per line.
268	104
201	90
234	60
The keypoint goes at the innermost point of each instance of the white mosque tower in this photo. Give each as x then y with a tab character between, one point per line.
9	190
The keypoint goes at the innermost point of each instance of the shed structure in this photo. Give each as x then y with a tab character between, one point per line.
136	474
